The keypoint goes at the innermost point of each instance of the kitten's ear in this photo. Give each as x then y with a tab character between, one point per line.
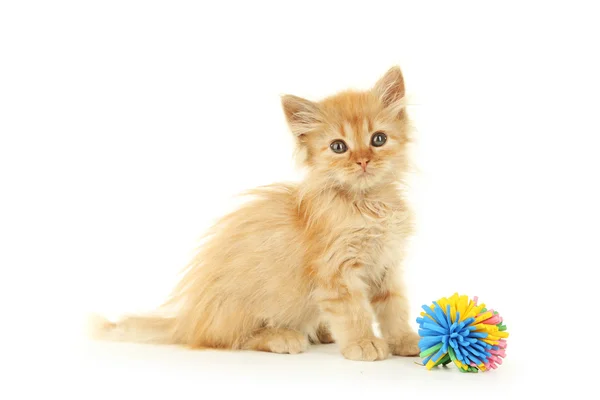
390	89
302	115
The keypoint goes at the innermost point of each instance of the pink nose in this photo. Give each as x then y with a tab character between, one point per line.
363	163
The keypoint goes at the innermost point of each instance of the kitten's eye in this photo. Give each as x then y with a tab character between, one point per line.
338	146
378	139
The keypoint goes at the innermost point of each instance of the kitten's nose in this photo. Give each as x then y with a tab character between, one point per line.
363	163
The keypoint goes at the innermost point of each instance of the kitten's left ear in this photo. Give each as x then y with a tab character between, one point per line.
390	89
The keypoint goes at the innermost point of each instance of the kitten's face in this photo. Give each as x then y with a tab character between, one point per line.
355	140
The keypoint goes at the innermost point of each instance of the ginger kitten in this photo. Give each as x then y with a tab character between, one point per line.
316	261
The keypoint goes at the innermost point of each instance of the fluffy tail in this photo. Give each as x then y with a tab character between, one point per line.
136	328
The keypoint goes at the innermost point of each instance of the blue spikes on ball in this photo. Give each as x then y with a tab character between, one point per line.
475	342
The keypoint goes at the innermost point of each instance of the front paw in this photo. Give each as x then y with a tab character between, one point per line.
370	349
406	344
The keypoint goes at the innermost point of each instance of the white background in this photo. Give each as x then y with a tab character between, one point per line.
127	128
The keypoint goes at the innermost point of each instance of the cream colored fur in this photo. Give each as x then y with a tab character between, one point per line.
317	261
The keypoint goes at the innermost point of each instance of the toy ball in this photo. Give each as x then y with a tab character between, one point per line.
458	330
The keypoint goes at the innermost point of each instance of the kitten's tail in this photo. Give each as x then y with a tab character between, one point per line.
149	329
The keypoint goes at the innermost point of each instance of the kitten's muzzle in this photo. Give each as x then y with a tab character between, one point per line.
363	163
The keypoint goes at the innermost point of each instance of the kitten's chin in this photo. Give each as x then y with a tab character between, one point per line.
364	181
358	183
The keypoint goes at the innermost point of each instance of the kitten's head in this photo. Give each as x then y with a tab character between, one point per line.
355	140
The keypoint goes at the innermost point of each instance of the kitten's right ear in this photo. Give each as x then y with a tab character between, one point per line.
302	115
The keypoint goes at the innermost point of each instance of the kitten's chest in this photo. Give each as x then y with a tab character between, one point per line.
374	234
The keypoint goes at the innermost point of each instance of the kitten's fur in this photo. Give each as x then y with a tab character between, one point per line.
310	262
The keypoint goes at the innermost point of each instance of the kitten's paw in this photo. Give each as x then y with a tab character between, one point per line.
405	345
288	342
282	341
366	350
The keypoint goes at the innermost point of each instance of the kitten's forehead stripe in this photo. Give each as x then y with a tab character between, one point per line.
342	130
351	134
347	128
366	128
358	125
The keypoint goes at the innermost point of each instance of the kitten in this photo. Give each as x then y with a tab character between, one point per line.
313	262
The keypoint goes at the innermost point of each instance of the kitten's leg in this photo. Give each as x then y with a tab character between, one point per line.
344	304
277	340
324	334
392	310
321	335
